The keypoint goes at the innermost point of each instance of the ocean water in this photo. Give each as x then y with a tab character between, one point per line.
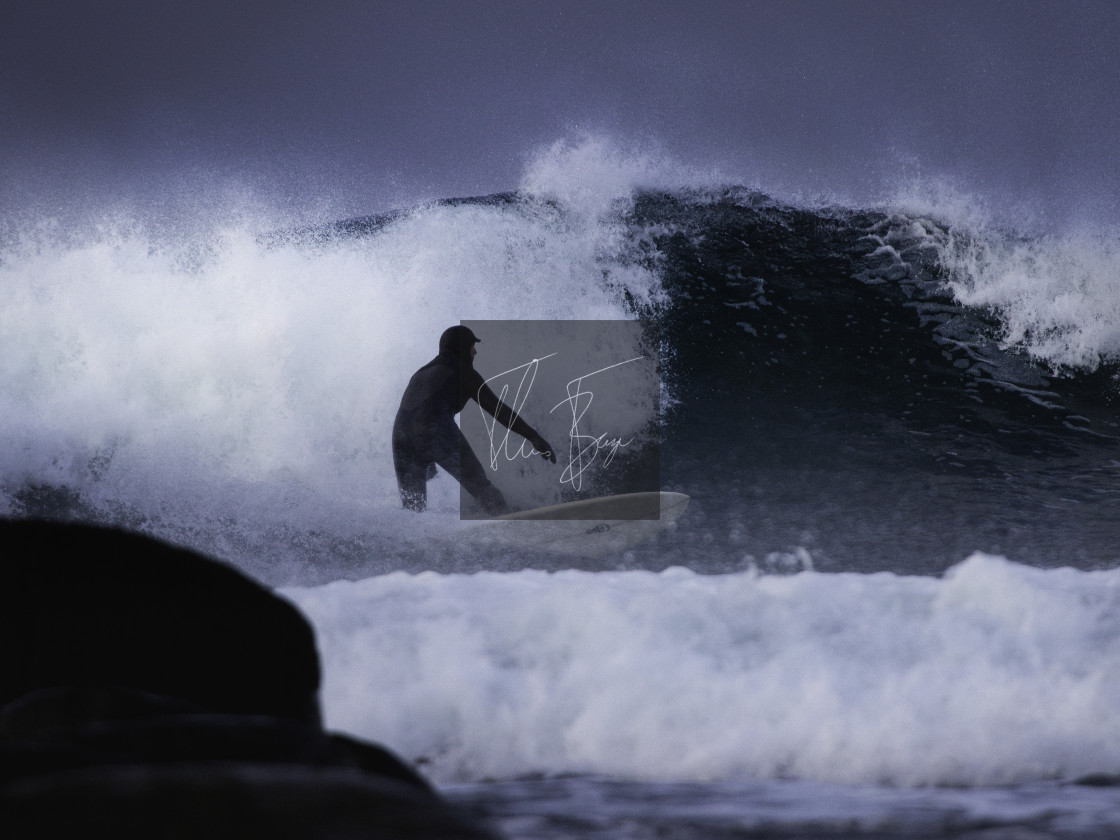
892	608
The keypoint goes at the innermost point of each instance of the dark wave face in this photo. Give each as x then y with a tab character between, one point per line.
834	396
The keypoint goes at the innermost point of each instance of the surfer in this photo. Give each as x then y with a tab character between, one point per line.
425	434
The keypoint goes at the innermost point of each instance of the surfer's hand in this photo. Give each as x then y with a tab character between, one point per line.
542	446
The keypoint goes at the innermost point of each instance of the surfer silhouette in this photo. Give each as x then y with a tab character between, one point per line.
425	434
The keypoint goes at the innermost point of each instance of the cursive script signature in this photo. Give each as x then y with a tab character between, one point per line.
491	423
584	449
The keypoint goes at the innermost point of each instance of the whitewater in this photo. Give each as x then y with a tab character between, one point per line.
995	673
896	587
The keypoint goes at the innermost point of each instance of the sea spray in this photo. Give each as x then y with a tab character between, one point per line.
235	392
1052	284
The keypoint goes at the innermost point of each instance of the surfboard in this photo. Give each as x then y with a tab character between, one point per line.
586	528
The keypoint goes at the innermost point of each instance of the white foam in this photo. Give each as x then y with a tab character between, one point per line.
197	380
1053	284
1058	296
995	673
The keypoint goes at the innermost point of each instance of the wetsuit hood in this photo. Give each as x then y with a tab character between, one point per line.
457	340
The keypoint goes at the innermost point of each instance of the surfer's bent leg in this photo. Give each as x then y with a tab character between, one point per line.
412	478
454	454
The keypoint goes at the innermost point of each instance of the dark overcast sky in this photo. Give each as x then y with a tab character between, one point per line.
366	104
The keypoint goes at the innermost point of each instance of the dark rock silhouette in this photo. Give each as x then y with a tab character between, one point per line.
153	692
91	606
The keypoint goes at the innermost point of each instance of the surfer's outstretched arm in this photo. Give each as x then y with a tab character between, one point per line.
512	421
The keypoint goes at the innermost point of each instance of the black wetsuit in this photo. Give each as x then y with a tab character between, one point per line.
425	434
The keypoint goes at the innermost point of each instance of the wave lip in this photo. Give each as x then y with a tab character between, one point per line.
995	673
1057	297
